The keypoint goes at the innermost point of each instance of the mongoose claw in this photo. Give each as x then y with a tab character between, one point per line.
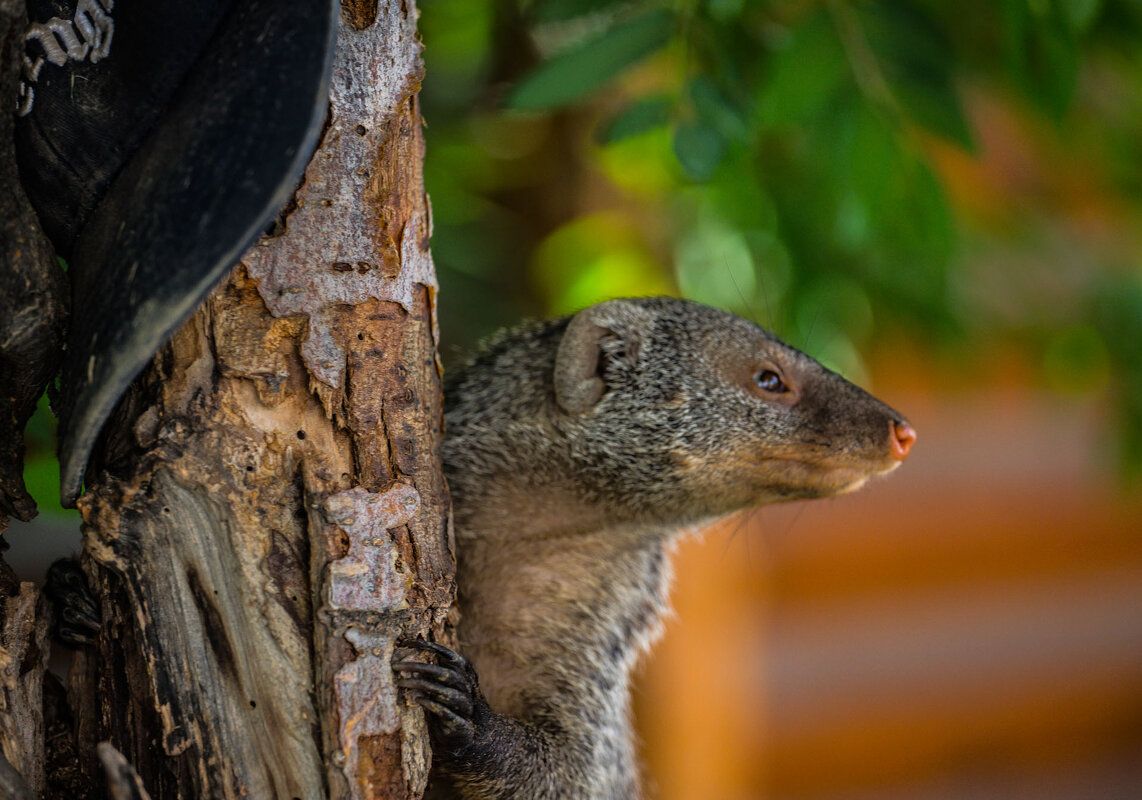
449	693
77	620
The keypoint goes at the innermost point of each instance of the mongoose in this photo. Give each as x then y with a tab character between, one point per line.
575	450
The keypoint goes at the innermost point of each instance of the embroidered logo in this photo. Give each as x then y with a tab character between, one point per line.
87	36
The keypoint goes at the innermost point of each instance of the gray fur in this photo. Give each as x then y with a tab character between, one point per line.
571	468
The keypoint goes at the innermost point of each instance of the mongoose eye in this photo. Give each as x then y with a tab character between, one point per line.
770	381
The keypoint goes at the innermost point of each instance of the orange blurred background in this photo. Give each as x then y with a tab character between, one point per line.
969	627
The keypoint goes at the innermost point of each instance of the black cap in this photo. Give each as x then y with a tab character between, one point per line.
156	140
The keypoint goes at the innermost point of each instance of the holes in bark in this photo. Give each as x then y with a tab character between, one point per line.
301	434
362	130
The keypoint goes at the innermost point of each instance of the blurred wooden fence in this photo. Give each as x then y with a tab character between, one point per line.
969	629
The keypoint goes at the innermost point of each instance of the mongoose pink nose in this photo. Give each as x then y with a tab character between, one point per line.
903	437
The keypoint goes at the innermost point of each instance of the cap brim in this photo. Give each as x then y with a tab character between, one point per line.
221	162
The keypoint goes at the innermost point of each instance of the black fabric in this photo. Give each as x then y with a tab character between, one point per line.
87	118
192	134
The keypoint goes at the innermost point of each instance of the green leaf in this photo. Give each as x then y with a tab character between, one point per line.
738	198
937	107
1042	53
918	62
804	76
561	10
589	64
699	149
725	10
716	110
1080	14
868	154
639	117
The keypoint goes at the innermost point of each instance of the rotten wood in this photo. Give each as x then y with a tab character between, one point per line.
12	785
23	660
268	514
123	782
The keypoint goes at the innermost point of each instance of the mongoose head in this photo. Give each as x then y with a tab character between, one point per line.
684	412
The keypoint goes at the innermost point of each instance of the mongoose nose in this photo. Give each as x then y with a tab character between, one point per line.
903	437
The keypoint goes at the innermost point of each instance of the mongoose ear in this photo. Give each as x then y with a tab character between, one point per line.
578	362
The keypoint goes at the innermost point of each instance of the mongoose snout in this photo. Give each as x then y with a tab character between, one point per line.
903	437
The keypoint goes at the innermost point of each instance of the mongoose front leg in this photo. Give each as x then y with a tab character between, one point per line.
490	754
449	692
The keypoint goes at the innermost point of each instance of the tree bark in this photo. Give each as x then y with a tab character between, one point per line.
23	660
266	513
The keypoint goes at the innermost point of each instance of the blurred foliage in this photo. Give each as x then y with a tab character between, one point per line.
41	470
846	173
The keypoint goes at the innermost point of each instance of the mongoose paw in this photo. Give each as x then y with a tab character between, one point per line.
448	691
77	619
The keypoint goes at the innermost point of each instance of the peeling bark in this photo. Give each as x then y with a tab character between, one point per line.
267	511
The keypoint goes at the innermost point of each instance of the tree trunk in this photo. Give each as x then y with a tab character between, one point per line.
266	513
